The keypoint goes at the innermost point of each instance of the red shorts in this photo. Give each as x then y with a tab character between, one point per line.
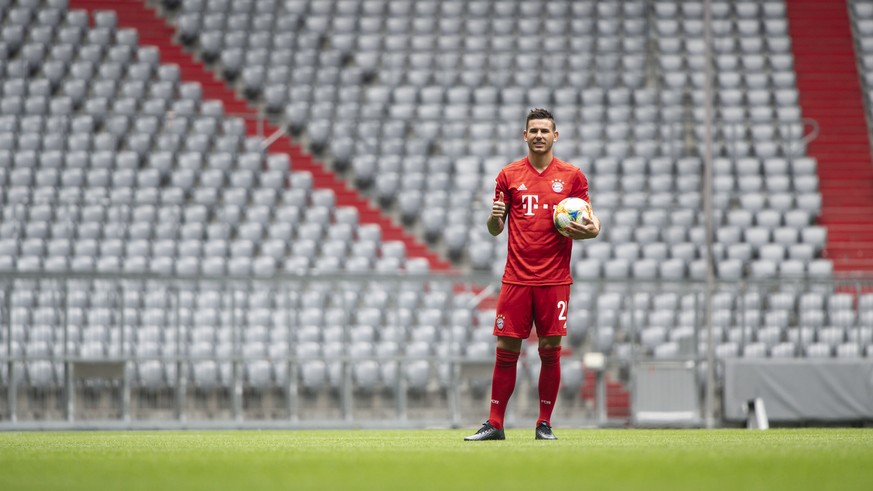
520	306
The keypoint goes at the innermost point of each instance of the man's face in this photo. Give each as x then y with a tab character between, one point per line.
540	135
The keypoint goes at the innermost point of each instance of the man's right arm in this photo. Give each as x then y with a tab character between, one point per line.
495	225
497	219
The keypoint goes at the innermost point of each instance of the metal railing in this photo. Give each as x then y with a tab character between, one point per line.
102	389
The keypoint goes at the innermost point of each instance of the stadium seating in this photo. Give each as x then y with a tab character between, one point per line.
406	78
110	162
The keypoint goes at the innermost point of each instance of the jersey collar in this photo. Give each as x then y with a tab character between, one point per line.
529	164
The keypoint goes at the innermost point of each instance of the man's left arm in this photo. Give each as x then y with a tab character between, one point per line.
587	229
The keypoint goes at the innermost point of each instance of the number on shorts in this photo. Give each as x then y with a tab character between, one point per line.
562	306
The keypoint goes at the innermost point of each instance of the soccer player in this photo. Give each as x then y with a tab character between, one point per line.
536	279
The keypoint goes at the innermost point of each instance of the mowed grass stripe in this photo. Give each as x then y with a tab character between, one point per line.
789	459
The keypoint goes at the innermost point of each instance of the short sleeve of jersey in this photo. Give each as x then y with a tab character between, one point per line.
503	187
580	187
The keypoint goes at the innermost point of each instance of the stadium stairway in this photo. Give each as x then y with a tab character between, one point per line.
617	396
830	93
155	32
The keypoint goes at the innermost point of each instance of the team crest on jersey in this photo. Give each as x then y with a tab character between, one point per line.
500	322
557	185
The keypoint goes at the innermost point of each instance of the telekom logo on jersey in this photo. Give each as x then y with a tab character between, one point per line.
531	202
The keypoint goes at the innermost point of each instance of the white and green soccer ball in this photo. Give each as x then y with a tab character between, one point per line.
570	210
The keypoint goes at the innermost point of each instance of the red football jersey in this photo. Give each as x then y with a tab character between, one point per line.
537	254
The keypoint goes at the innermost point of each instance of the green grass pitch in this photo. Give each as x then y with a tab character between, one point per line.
707	460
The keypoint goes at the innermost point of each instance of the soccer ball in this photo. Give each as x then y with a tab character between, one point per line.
570	210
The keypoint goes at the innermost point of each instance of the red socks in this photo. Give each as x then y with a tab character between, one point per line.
550	381
502	385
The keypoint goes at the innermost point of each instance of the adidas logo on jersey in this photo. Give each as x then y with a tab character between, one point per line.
522	187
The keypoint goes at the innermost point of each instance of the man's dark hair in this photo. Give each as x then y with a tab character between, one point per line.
539	113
